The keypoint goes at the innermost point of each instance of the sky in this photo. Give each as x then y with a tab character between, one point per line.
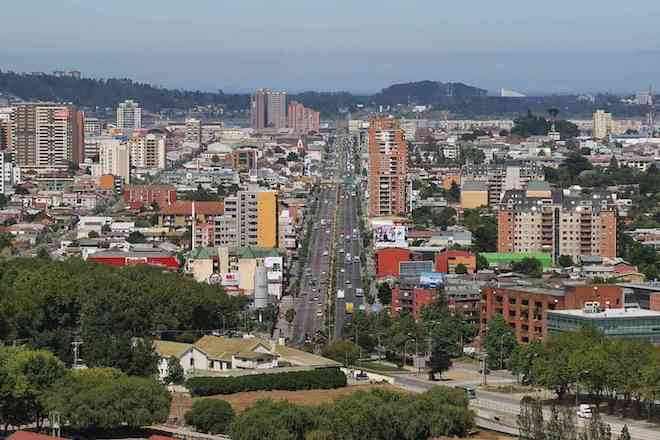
361	46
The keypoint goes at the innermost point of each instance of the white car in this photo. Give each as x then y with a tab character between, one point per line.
342	270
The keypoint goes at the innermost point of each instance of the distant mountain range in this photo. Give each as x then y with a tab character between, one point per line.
458	98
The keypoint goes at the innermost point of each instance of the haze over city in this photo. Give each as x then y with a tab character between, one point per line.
558	47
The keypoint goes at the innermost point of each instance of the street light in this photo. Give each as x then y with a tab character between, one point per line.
405	344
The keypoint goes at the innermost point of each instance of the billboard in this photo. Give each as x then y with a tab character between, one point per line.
390	236
432	279
229	279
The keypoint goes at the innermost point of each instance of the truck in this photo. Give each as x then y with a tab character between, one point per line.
340	294
349	308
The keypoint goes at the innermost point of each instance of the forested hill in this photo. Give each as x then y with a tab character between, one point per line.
108	92
88	92
426	92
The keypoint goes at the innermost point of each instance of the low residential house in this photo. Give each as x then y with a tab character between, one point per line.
189	356
26	232
216	354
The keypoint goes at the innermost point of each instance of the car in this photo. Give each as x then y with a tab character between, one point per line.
342	270
341	250
316	298
348	282
325	253
319	314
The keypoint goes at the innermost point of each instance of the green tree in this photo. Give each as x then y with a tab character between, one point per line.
292	157
530	420
175	373
523	358
565	261
499	342
101	399
454	192
460	269
342	351
268	419
528	266
26	376
213	416
136	237
384	293
482	262
553	369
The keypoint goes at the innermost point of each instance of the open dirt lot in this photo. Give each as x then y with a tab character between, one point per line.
242	401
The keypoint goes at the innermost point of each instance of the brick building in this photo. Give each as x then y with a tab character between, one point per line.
408	298
526	308
447	261
388	168
138	196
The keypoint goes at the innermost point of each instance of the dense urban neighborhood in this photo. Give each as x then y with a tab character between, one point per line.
433	260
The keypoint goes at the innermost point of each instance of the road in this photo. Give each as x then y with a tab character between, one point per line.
502	409
349	248
311	302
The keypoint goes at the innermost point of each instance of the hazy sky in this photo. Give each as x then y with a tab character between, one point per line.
355	45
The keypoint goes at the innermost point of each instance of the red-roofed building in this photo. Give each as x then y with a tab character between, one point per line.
388	259
28	435
121	259
138	196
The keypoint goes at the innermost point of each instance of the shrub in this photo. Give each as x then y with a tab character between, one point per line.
325	378
210	415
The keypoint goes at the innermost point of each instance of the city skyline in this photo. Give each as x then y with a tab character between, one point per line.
340	46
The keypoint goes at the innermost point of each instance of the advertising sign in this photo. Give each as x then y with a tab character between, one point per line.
431	279
390	236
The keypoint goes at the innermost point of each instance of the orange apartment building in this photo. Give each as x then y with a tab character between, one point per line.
525	308
541	219
388	168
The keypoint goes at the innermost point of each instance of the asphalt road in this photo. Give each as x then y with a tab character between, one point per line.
348	241
310	305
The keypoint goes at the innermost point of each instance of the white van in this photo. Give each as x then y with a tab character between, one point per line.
585	411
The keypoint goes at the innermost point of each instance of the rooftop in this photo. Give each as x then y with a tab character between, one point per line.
608	313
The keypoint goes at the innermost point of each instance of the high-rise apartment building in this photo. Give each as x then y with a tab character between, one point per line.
129	116
302	119
501	178
148	151
5	133
559	222
602	124
388	168
268	109
250	219
92	127
193	131
114	158
47	135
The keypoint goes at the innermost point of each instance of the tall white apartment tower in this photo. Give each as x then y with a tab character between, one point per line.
114	158
602	124
129	116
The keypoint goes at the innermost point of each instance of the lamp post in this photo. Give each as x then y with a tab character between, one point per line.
405	344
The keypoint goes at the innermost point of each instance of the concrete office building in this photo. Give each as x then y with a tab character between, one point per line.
114	158
501	178
148	151
474	194
541	219
388	168
602	124
193	131
129	116
92	127
268	109
46	135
